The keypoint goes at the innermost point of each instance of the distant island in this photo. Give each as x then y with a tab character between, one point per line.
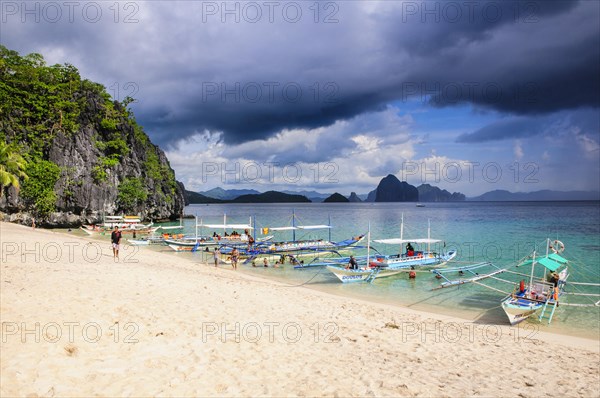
336	198
389	189
266	197
271	197
543	195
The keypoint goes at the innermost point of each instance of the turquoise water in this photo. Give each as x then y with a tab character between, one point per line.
500	232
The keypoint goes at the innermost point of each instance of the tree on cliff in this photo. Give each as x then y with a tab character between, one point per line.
12	167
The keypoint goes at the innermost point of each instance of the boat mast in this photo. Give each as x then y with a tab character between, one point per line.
428	236
196	222
531	276
369	245
224	223
293	225
329	237
401	232
547	248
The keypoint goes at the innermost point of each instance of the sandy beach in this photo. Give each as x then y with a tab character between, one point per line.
77	323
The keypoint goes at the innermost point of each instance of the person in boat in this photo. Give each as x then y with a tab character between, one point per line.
554	278
410	251
412	274
115	239
352	264
265	262
226	234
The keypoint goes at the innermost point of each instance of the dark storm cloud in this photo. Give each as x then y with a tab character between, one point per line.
243	122
581	121
251	80
504	129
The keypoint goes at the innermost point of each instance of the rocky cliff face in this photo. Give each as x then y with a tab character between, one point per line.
94	141
81	198
390	189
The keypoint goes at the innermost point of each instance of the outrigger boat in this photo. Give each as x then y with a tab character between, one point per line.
149	240
296	248
127	224
527	298
193	243
384	266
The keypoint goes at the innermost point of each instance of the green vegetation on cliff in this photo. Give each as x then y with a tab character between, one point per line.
38	190
50	115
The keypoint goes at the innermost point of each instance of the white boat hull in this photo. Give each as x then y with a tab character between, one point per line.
518	312
348	275
362	275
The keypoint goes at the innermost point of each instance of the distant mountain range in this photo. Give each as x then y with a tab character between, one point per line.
227	194
271	197
390	189
502	195
266	197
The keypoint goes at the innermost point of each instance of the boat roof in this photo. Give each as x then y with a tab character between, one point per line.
305	227
225	226
552	263
321	226
398	241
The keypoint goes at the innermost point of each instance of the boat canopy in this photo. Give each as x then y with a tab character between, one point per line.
558	258
398	241
549	264
323	226
226	226
305	227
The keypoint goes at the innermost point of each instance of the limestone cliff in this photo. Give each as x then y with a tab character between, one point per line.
104	161
390	189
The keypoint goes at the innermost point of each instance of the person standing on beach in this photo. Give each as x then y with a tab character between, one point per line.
115	238
234	258
216	256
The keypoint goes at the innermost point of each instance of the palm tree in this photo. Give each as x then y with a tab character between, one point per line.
12	166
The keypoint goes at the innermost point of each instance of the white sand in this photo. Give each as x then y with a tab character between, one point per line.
164	319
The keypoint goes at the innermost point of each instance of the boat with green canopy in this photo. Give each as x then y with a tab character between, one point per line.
534	293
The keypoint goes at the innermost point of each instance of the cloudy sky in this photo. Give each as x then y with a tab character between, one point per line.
334	95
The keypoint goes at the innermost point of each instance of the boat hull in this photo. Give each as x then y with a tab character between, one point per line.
362	275
517	310
425	260
348	275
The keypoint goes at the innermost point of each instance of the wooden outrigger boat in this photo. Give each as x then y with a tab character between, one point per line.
296	248
526	298
388	265
126	224
196	242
